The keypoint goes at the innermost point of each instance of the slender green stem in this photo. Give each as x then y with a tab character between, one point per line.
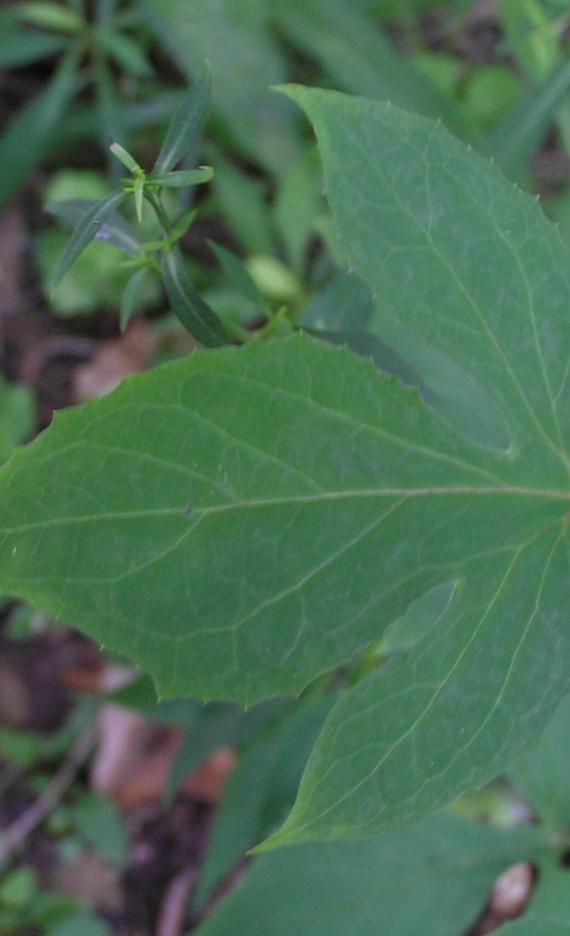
162	217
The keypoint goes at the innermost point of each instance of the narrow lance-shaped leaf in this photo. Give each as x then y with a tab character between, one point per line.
183	224
187	304
530	34
50	16
183	178
130	296
358	57
126	53
260	790
516	138
19	48
110	125
238	274
27	138
246	60
186	124
139	196
124	157
115	229
217	725
86	230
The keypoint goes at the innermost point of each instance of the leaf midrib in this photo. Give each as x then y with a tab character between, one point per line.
255	503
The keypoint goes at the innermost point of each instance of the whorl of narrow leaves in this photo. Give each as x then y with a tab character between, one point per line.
247	519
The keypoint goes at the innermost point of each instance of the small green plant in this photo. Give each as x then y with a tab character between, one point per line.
160	255
100	220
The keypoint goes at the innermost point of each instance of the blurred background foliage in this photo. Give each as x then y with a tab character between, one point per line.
111	802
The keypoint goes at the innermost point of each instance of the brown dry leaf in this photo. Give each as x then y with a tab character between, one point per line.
115	360
119	740
14	701
512	891
209	780
135	757
33	694
88	672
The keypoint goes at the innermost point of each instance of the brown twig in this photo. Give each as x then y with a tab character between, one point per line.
14	836
175	904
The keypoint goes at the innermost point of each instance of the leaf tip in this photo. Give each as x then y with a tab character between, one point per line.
290	90
288	834
268	845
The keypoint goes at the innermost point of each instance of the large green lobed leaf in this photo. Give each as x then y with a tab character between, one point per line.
433	880
244	520
472	267
247	519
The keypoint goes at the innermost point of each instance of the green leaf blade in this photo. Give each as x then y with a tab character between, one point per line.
438	233
186	124
189	492
87	229
196	315
247	520
225	34
24	142
360	58
22	47
348	889
440	733
51	16
183	178
238	274
130	297
115	229
518	136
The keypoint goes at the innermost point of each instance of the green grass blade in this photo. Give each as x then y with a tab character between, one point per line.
515	139
28	137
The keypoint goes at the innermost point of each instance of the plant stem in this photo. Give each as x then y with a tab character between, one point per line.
16	833
160	213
